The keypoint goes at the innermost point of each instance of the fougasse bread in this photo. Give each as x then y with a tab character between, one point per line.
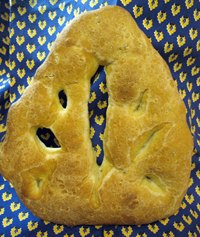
147	143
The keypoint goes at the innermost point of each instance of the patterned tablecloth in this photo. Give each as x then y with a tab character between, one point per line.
27	31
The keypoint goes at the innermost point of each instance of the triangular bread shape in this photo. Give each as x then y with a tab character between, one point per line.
147	143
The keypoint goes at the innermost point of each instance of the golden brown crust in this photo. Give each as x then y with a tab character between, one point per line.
147	143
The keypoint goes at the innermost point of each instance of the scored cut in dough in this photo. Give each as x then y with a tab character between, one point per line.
147	144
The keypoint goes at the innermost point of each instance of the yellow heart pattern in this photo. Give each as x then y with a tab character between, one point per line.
175	9
15	231
162	16
138	11
14	206
23	216
32	225
58	229
42	9
109	233
7	221
147	23
171	28
181	40
20	40
84	231
127	231
32	3
32	17
168	47
184	21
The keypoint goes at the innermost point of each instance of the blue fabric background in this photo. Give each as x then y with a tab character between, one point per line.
174	29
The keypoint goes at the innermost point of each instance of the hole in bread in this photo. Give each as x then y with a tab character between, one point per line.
148	177
63	98
47	137
97	107
141	103
39	182
35	179
146	140
154	183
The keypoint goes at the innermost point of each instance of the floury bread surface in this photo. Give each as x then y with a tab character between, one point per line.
147	143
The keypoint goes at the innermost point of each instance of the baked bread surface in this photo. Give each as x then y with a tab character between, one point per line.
147	144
